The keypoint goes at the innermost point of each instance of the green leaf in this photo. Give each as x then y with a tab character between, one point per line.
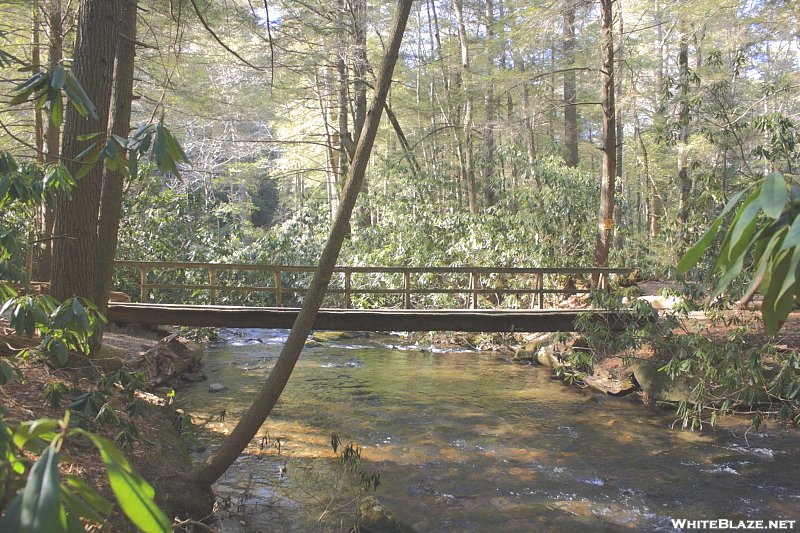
93	158
693	254
29	430
79	97
88	493
791	276
5	183
722	258
57	111
41	498
11	519
729	273
111	149
88	137
742	229
122	142
160	146
6	373
774	195
133	164
134	494
85	169
175	149
793	237
79	507
62	352
21	97
75	100
33	83
58	77
774	310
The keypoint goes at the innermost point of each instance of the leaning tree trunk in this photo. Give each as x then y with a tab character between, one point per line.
268	396
606	215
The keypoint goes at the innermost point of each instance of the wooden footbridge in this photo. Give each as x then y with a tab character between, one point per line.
267	296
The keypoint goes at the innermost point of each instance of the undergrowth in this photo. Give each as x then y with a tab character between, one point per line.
732	372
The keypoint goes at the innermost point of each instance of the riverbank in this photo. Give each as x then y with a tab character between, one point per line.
158	454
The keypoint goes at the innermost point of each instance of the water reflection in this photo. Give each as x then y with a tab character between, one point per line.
469	442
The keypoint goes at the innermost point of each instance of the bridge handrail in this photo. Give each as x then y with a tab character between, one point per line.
348	291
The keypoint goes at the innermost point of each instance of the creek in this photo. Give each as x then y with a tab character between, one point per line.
469	441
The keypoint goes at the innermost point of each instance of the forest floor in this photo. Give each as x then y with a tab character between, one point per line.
159	455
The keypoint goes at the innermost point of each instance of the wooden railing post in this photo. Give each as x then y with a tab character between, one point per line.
276	276
347	288
212	280
143	297
540	287
407	290
473	286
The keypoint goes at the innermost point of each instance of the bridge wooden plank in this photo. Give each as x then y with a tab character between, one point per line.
473	320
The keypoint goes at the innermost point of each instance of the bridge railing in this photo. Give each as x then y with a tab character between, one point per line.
350	283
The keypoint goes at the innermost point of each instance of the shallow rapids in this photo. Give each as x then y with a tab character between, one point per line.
467	441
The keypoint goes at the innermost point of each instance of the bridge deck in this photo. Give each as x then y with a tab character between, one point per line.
473	320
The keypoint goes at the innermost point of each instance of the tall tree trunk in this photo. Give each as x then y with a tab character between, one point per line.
360	69
360	65
111	201
609	172
684	117
571	155
488	168
254	417
52	134
467	160
618	214
76	218
527	121
658	47
36	55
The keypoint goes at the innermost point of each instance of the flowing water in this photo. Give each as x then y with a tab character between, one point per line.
468	441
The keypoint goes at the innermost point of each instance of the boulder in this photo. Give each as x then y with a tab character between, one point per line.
375	518
524	354
609	383
193	377
110	358
216	387
659	386
330	336
548	356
